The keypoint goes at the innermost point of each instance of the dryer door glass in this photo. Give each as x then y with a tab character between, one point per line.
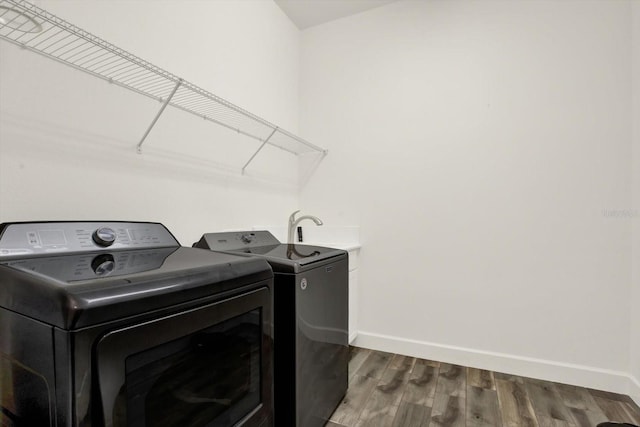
209	378
205	367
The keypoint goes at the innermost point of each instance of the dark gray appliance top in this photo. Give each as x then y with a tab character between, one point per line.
78	283
283	257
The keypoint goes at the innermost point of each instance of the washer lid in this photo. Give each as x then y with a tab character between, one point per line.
302	254
282	257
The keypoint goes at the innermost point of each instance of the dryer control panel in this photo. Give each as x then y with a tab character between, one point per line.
47	238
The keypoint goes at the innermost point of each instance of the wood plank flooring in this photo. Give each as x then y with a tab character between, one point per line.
391	390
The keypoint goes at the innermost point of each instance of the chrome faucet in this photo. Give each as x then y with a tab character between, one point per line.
293	223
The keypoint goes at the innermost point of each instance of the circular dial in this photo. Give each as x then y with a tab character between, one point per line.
247	238
104	236
103	264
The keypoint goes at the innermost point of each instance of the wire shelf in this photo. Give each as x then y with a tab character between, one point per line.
39	31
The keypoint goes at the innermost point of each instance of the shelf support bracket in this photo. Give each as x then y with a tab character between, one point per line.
259	148
155	119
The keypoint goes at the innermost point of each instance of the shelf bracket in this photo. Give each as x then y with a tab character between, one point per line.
259	148
153	123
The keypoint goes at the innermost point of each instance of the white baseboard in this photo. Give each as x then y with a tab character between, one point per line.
567	373
634	389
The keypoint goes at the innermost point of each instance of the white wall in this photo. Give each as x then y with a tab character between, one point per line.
67	140
635	285
482	147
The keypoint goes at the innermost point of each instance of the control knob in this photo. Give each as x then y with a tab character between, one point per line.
104	236
247	238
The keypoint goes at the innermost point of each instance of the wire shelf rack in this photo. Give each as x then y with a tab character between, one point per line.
37	30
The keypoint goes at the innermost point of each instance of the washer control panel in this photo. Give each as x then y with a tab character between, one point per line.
234	240
46	238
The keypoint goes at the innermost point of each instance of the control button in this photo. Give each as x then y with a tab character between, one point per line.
248	238
103	264
104	236
32	236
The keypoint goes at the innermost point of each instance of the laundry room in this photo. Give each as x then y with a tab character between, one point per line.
477	160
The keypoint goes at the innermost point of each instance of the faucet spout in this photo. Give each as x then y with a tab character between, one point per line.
293	223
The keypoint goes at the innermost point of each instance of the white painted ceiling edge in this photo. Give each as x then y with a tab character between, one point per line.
307	13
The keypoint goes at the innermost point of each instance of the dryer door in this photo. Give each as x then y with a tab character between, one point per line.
208	366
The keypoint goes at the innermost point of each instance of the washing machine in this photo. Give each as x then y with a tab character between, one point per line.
311	300
116	324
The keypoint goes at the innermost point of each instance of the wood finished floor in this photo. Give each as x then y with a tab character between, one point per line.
391	390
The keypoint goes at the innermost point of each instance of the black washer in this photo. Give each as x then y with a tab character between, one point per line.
311	300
